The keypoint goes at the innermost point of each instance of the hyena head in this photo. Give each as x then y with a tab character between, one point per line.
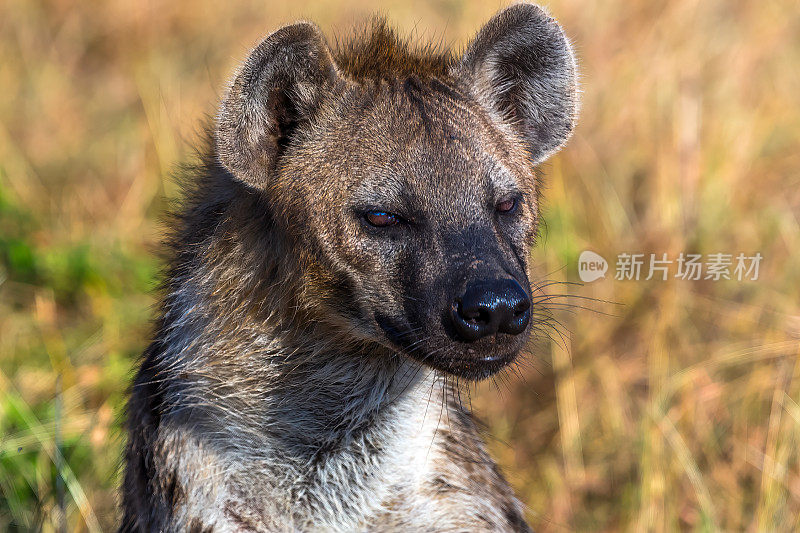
404	178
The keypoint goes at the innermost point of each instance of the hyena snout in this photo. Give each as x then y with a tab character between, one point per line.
488	307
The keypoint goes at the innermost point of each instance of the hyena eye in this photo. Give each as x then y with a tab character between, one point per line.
507	206
381	219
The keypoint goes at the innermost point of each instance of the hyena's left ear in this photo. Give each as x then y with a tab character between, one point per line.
521	67
276	90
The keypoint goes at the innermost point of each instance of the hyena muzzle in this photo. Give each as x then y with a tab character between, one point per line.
352	244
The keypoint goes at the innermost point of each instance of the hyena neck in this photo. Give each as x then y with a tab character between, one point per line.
307	400
326	437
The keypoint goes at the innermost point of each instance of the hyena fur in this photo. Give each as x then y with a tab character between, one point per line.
352	246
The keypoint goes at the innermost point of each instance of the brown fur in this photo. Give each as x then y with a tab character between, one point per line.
380	54
302	356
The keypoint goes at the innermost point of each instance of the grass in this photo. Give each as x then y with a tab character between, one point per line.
681	410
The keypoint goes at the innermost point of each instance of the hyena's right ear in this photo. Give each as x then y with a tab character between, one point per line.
278	88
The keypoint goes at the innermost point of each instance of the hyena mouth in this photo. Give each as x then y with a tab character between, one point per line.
475	368
475	362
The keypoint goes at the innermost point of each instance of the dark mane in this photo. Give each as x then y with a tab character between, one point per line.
377	52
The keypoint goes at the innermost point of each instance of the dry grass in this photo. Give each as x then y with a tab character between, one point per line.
680	411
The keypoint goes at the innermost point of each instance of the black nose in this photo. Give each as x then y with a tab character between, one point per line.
489	307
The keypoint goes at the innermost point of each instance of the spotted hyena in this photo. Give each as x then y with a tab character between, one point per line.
352	246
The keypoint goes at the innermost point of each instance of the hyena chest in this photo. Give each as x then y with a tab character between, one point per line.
385	476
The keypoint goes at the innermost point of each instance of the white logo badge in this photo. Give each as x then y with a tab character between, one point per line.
591	266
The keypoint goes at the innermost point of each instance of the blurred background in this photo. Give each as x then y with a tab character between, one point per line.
676	406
